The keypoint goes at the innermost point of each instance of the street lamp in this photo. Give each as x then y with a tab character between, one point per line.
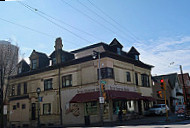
95	54
38	90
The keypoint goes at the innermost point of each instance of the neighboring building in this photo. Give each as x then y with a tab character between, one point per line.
9	52
71	81
8	62
186	90
174	89
161	100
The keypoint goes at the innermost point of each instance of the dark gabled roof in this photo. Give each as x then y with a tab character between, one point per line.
23	62
133	51
115	42
85	59
62	51
91	46
40	54
171	77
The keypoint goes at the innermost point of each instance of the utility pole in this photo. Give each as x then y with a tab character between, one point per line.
95	54
184	90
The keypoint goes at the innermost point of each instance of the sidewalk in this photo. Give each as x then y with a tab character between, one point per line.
150	120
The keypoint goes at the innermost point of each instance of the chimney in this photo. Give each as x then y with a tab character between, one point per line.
58	44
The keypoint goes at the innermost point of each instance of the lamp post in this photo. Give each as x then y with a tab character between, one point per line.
38	90
95	54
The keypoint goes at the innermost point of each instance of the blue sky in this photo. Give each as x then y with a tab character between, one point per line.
159	29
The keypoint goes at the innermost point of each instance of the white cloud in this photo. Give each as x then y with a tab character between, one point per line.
160	53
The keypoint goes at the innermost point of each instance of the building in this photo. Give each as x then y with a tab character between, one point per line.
174	90
186	86
160	99
70	87
8	62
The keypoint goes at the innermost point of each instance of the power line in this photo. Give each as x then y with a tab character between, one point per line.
94	20
34	10
105	19
34	30
124	28
22	26
61	21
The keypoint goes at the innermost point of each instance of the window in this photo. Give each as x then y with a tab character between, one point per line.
128	76
18	89
14	107
119	51
67	81
13	90
18	105
47	109
136	79
19	70
136	57
23	106
121	104
106	73
25	88
53	61
129	104
62	59
145	80
48	84
34	64
91	108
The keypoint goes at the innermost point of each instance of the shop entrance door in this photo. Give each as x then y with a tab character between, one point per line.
140	107
33	111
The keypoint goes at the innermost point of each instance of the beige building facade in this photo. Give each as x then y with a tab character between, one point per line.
70	87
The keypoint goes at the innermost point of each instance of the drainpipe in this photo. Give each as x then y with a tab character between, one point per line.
61	116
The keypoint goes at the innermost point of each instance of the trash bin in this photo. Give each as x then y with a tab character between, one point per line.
87	120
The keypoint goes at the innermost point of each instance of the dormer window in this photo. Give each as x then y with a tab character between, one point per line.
119	51
19	70
34	64
53	61
136	57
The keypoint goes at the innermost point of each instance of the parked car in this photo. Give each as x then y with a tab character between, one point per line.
158	109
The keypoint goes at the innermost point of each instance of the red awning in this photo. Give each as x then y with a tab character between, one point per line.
85	97
111	94
148	98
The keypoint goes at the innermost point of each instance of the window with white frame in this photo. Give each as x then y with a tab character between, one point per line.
47	109
67	81
128	74
48	84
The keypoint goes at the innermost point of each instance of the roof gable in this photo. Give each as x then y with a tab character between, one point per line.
116	43
39	54
133	51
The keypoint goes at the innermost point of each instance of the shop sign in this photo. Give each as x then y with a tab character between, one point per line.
101	100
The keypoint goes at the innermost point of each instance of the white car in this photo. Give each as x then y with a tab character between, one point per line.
158	109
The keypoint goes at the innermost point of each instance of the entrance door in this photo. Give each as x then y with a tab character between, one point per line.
140	107
33	111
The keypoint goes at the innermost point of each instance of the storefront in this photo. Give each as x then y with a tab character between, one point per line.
129	102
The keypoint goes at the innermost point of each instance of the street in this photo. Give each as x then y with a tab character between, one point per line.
149	122
182	124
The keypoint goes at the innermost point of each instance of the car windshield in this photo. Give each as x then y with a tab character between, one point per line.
156	106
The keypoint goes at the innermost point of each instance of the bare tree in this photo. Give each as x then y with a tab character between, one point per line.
8	61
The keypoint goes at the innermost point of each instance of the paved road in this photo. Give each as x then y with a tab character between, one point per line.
181	124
